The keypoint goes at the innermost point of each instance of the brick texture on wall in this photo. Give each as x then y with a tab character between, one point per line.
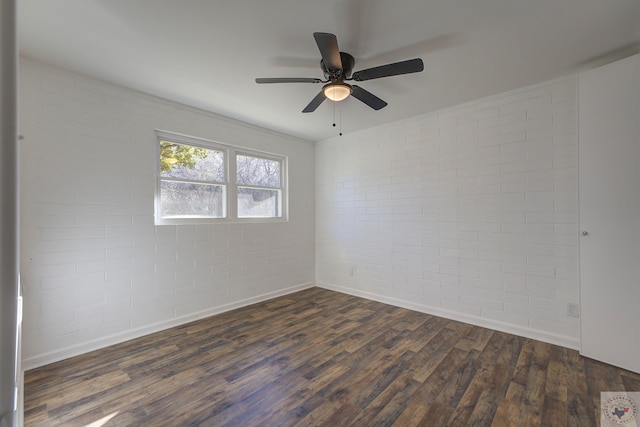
470	213
95	269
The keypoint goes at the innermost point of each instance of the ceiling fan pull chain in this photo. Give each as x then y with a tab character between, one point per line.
334	114
340	120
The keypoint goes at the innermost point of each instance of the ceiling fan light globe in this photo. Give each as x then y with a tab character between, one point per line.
337	91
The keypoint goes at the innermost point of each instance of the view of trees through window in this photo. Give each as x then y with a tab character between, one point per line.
252	174
194	182
257	171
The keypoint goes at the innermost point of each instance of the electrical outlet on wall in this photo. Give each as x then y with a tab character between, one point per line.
573	309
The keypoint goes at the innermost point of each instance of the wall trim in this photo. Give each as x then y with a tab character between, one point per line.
85	347
76	350
535	334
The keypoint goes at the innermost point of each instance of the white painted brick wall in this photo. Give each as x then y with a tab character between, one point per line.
95	269
469	213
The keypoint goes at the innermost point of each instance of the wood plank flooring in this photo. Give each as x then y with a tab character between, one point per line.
322	358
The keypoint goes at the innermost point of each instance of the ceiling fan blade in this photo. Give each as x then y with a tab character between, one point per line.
288	80
368	98
395	69
315	102
328	45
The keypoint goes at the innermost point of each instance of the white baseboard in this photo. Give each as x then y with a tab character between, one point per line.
102	342
535	334
75	350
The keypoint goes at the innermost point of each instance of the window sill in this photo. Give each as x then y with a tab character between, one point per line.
214	221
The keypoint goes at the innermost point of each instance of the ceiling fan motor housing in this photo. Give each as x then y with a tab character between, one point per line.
348	63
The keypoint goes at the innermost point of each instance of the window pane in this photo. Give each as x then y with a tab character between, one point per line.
258	203
257	171
189	162
180	199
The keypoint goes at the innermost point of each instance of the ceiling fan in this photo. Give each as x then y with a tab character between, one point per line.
337	68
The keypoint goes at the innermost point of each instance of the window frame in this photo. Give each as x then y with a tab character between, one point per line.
230	181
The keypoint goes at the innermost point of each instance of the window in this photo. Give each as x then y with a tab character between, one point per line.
194	185
192	181
259	187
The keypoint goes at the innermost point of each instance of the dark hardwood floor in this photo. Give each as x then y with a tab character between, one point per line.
321	358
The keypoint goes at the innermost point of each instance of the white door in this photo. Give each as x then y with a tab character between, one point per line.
609	167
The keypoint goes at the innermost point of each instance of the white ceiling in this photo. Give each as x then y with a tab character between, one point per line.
207	53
